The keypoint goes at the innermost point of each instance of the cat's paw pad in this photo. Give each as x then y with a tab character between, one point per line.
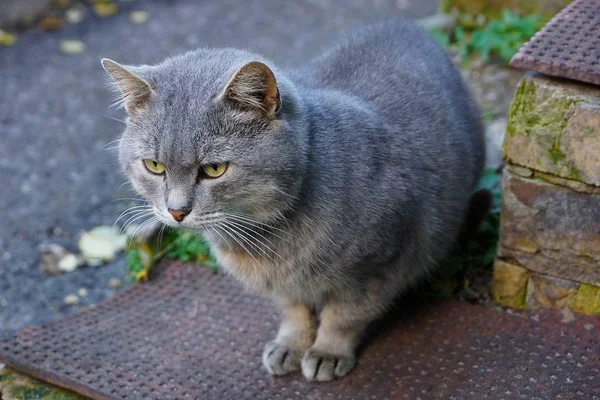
322	366
280	359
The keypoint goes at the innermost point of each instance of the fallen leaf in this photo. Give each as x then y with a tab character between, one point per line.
7	39
72	46
101	244
138	17
105	9
51	23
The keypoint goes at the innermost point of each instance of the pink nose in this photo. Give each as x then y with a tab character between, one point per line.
178	215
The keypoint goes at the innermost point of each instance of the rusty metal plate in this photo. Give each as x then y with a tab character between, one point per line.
568	46
191	335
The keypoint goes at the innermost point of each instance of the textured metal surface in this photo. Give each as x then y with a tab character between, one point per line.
568	46
191	335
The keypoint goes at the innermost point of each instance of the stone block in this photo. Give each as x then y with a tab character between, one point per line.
554	127
550	292
550	229
587	300
509	285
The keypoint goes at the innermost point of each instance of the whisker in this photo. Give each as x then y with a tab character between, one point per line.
222	237
132	210
131	220
241	226
282	192
142	225
109	117
225	228
253	244
160	235
259	224
130	198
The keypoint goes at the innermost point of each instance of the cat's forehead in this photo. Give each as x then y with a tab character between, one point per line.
200	73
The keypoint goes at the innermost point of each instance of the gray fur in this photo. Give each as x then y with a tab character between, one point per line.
357	187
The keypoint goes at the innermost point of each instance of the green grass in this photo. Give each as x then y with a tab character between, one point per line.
176	244
501	37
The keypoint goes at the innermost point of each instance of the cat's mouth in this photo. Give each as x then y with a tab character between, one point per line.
191	220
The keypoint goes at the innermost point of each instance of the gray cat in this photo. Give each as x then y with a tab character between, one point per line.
333	187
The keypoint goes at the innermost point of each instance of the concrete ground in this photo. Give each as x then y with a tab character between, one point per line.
55	118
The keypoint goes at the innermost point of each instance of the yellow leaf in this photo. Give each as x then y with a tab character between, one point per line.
7	39
105	9
141	275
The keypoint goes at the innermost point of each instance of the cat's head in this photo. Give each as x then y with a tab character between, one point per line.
209	136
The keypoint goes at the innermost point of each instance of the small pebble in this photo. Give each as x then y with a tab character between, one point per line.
114	283
71	300
138	17
82	292
68	263
568	315
75	15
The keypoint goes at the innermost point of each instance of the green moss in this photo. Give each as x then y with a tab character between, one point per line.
557	155
64	395
535	110
30	393
521	105
575	174
5	377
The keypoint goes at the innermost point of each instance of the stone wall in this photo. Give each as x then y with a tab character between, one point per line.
549	252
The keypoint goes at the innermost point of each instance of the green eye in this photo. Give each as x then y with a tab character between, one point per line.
154	166
214	170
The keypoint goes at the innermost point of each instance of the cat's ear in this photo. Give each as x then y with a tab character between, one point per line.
135	91
254	87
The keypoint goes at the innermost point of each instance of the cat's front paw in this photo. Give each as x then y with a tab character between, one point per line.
280	359
319	365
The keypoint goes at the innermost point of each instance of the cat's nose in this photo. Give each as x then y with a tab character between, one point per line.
178	215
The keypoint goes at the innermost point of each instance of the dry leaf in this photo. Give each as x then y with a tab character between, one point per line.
105	9
72	46
7	39
101	244
51	23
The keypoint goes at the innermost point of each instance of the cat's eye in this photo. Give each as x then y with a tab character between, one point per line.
154	166
213	170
